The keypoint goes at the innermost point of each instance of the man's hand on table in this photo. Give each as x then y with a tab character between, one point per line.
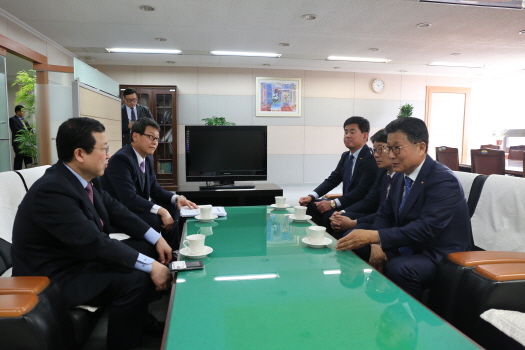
357	239
164	250
160	275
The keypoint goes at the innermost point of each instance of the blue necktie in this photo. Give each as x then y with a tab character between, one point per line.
408	186
133	116
348	174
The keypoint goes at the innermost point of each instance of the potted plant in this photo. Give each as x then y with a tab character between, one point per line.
499	135
25	96
405	110
216	121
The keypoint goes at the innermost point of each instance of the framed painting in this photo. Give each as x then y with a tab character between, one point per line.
277	97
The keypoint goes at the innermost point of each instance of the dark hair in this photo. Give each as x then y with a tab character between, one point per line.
140	125
380	136
129	92
362	123
76	133
19	108
415	129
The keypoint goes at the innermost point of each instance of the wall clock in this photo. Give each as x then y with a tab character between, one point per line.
378	85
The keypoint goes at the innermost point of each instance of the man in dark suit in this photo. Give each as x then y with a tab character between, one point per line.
16	124
362	213
425	216
62	227
357	171
133	186
131	112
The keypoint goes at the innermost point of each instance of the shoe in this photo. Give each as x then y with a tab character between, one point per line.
153	327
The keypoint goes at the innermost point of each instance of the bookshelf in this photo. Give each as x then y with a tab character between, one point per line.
162	101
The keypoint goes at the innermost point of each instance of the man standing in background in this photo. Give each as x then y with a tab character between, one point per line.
131	112
17	124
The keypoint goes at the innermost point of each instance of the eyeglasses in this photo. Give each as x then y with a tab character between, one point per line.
103	148
397	149
151	137
379	149
132	99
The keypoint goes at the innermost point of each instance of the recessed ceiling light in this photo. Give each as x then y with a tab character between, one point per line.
249	54
455	54
423	25
309	17
146	8
284	44
402	71
337	67
171	62
358	59
160	39
123	50
373	49
464	65
267	65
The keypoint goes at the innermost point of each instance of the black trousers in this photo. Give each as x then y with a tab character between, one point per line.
127	296
17	164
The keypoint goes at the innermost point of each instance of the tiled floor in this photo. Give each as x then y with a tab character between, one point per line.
292	192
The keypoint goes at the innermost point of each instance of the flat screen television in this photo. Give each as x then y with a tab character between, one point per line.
225	154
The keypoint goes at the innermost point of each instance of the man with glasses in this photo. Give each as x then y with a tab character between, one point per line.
130	178
356	169
362	213
131	112
425	216
61	230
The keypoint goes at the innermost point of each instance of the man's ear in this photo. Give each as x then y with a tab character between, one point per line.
78	155
134	136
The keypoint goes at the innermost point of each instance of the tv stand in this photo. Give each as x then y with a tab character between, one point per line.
261	194
226	187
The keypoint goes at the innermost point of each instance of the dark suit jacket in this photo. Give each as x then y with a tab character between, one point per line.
434	219
15	125
57	233
142	112
123	178
363	178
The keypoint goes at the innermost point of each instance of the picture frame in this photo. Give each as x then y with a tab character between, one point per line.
277	97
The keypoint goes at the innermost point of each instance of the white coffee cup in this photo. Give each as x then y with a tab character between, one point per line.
316	234
300	212
280	201
195	243
205	211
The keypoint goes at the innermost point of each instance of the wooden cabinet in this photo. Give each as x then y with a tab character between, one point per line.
162	101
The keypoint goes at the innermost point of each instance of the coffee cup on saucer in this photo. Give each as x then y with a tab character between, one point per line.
316	234
280	201
205	211
195	243
300	212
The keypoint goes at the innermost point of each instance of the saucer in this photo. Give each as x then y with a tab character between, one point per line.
327	241
276	207
307	217
186	252
211	218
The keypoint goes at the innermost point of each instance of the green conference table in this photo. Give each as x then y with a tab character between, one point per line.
263	288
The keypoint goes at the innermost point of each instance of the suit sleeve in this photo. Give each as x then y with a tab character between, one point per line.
366	180
146	113
121	176
335	178
441	201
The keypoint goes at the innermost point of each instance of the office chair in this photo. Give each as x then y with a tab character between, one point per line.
488	161
448	156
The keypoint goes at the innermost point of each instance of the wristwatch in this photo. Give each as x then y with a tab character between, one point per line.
311	196
333	204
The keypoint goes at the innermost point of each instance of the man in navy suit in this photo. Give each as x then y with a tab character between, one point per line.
62	228
16	124
131	112
425	216
134	184
362	213
356	169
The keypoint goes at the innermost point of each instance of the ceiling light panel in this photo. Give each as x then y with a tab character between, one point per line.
129	50
512	4
246	54
358	59
453	64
